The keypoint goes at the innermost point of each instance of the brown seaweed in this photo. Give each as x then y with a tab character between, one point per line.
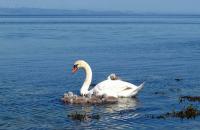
189	112
178	79
83	116
189	98
159	93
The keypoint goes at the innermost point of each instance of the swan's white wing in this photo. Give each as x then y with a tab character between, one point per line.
115	88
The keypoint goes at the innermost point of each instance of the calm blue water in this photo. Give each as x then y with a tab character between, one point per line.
37	54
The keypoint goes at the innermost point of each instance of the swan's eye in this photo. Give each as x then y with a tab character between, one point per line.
75	66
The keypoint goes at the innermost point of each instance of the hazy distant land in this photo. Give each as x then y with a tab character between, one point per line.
37	11
60	12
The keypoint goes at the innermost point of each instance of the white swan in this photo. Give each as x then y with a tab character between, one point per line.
109	87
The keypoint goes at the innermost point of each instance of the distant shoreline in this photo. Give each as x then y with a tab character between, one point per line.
37	12
102	15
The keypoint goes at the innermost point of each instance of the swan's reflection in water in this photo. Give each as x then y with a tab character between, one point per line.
124	105
111	115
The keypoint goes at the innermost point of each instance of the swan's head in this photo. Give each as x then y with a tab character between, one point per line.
79	64
82	64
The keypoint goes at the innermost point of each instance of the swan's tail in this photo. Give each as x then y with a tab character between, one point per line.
135	92
140	86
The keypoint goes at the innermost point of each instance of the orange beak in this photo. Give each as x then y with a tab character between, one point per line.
74	69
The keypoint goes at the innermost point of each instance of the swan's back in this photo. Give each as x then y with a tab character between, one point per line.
115	88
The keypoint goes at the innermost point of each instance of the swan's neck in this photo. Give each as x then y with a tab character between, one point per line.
88	79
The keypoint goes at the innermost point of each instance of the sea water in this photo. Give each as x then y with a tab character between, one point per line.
37	54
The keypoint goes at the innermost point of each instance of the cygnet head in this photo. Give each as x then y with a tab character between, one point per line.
113	77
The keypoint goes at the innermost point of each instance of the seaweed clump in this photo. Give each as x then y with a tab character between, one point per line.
189	98
189	112
178	79
83	116
159	93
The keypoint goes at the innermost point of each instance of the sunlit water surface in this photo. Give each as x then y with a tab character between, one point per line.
37	54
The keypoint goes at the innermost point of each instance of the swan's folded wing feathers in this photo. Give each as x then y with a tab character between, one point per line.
127	88
113	86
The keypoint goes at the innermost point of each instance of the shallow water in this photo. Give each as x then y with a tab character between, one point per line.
37	54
